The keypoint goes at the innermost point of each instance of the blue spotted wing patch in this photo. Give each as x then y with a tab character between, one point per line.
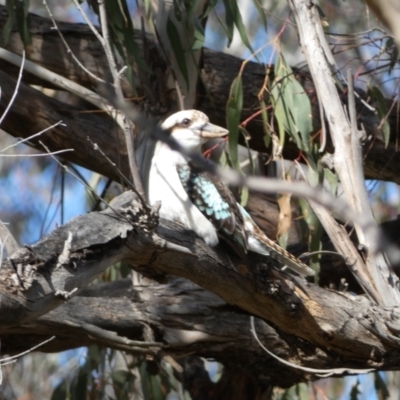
214	199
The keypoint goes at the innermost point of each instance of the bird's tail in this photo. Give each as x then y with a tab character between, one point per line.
260	243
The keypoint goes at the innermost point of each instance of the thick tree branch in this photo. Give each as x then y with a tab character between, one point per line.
337	327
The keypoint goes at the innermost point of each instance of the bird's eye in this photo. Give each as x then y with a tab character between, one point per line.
186	122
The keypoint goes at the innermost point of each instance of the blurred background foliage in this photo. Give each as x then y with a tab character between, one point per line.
37	195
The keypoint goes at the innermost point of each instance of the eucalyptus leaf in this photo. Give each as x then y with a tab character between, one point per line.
244	196
266	125
199	36
291	106
10	21
60	392
78	386
355	391
210	5
382	109
147	8
233	114
17	14
261	13
234	18
393	51
177	48
123	381
332	179
151	384
381	387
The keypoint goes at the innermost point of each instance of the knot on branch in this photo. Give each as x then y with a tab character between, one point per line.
144	218
19	271
267	280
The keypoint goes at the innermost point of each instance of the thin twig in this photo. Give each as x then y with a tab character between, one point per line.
16	88
84	184
89	23
33	136
323	373
69	51
112	339
122	176
118	90
327	252
3	360
75	176
57	80
38	155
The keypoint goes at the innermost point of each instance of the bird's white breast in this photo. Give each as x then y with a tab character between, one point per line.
165	186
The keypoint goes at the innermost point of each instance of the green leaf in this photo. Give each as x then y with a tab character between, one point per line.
377	95
78	386
191	8
22	9
381	388
246	137
124	381
266	126
227	28
210	5
147	9
292	106
233	114
313	224
177	10
229	23
261	12
122	34
233	17
393	51
283	240
332	180
355	391
177	48
302	391
10	21
280	116
151	384
17	13
199	36
93	356
60	392
244	196
122	28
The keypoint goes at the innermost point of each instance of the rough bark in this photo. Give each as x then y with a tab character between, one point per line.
300	321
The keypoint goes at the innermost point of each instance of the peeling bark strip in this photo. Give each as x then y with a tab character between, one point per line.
218	72
328	329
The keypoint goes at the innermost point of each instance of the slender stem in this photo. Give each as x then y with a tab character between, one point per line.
128	132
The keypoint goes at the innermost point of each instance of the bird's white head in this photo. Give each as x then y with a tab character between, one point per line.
192	128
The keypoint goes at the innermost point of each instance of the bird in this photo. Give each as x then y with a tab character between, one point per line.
199	199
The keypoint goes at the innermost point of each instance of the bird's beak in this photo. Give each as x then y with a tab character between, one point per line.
210	131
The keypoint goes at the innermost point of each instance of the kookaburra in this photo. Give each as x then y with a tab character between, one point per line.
202	201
